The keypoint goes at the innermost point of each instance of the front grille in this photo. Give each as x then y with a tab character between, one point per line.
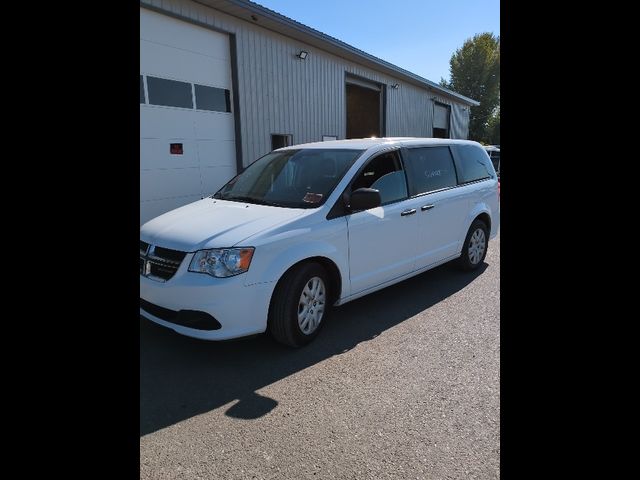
173	255
159	263
164	271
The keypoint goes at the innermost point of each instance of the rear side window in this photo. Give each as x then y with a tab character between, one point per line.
431	169
474	163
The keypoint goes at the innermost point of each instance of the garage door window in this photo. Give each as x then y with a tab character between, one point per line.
213	99
170	93
431	169
141	90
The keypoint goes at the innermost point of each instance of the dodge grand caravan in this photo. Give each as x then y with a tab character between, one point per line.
312	226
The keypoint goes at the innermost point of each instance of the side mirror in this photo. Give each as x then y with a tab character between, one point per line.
364	199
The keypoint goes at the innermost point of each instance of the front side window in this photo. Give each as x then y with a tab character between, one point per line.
431	169
301	178
474	163
385	174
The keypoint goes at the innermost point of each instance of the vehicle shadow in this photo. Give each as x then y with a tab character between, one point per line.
182	377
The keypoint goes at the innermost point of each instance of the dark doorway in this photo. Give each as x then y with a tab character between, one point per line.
363	112
441	120
279	141
440	133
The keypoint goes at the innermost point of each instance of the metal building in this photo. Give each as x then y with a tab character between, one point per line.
223	82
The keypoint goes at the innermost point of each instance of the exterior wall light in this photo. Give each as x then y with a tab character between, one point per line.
302	55
395	85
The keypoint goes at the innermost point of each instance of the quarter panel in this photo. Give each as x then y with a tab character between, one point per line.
485	200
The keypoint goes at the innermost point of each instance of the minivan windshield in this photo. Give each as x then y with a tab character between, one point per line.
299	178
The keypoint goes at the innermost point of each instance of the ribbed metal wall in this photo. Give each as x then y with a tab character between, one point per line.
281	94
459	121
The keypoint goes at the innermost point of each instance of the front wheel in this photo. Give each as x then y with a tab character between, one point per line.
475	246
299	305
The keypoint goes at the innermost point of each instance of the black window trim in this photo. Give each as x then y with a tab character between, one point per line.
455	166
450	188
339	208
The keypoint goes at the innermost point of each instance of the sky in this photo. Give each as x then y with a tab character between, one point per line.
417	35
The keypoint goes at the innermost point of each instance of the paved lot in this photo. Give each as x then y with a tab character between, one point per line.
401	384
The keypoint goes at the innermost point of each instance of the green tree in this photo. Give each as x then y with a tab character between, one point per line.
493	128
475	73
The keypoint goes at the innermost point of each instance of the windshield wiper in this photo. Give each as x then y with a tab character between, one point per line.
241	198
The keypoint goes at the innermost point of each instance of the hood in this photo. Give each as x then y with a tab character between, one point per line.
212	223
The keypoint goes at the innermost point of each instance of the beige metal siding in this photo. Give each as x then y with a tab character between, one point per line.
279	93
459	121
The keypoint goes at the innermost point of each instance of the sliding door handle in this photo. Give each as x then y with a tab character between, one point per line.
426	207
408	212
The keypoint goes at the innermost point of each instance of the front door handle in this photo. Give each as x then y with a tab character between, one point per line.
426	207
408	212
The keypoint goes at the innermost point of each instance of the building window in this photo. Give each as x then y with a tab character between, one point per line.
170	93
213	99
279	141
142	90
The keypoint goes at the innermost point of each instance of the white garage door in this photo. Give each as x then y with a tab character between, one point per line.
187	141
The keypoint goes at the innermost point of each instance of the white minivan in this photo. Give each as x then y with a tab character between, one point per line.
312	226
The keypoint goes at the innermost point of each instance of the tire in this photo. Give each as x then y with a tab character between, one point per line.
294	317
475	246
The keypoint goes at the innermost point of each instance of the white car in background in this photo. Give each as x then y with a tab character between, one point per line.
313	226
494	155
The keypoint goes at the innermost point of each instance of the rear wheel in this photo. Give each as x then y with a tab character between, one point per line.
474	249
299	305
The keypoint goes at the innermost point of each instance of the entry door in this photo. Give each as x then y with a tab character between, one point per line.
382	240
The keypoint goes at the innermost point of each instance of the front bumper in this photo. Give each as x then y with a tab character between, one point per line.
240	309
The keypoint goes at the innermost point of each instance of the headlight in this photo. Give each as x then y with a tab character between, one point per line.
222	262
